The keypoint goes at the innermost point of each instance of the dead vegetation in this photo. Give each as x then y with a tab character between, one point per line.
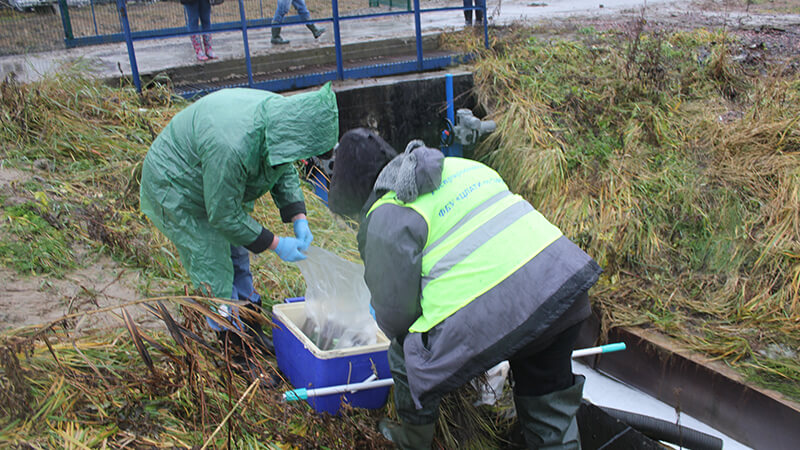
672	160
68	384
672	157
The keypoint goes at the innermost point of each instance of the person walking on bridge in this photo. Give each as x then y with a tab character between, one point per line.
464	274
302	10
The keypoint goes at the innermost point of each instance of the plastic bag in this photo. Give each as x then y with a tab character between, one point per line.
337	302
490	391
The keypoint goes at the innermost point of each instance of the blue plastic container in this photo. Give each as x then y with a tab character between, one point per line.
320	185
306	366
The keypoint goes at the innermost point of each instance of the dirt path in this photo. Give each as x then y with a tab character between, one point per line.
38	300
33	300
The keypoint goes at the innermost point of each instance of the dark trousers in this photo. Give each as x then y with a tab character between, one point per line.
478	12
542	367
199	11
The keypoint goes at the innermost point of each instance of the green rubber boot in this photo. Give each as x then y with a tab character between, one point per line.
548	421
407	436
315	30
276	37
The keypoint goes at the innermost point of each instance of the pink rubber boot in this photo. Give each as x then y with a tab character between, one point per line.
198	48
207	43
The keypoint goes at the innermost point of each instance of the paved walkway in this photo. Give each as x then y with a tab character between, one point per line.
153	56
110	60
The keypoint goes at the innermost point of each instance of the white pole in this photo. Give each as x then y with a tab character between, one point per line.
608	348
303	394
371	382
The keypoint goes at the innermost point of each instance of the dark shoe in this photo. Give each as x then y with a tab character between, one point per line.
230	340
261	340
241	362
315	30
276	37
250	372
407	436
254	330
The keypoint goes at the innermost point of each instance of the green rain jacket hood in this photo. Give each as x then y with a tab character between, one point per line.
205	170
300	126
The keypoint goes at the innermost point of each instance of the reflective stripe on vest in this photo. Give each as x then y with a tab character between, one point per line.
479	233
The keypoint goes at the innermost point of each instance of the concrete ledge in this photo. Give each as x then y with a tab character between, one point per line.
705	389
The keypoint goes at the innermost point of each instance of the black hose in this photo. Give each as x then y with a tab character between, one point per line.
663	430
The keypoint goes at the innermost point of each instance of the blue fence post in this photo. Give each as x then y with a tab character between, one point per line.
337	39
247	61
451	109
453	149
418	33
485	27
65	22
126	30
94	18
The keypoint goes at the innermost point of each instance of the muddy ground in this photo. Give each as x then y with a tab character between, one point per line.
770	31
37	300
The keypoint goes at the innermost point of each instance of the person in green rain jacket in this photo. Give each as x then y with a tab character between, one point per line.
203	173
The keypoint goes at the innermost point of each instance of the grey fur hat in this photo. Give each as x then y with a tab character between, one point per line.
410	174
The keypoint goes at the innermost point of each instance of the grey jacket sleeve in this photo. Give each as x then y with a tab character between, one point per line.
392	253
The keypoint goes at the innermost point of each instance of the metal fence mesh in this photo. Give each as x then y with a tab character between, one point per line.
38	25
30	29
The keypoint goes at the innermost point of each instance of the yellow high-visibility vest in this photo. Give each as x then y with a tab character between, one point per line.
479	233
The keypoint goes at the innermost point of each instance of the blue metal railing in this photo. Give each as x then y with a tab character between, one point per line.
418	65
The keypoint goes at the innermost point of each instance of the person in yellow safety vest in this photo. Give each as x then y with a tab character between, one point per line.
202	175
464	274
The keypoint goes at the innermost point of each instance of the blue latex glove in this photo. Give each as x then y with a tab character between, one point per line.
303	233
289	249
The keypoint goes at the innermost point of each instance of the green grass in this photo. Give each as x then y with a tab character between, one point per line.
33	246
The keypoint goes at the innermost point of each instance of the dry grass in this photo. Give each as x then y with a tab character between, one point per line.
673	165
676	167
167	386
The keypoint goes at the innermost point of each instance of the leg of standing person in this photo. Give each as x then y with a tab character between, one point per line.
244	290
205	22
479	12
546	392
416	427
192	24
467	13
281	10
242	277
